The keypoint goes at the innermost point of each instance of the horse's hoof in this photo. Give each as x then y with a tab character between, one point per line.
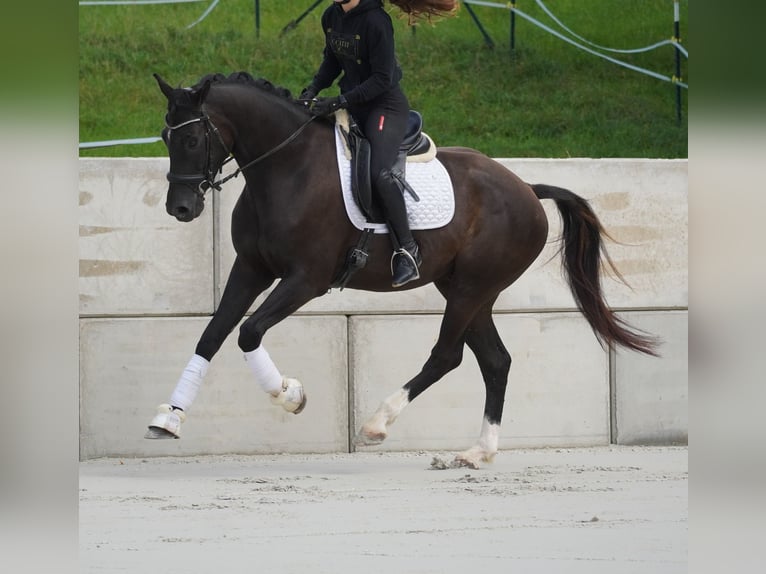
369	438
473	456
159	433
465	462
301	406
166	423
292	398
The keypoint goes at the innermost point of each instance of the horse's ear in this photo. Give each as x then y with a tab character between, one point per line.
166	88
202	92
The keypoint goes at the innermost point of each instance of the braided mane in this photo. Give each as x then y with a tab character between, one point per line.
244	78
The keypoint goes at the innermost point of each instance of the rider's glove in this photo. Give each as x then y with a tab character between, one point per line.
308	93
327	106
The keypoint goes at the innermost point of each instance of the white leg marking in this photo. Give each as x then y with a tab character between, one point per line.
484	450
374	431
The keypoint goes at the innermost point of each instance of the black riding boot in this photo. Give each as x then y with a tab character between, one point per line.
406	258
405	264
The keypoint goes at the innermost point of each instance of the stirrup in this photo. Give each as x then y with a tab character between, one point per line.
292	398
413	268
166	423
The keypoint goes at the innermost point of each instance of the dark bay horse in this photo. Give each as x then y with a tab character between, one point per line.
290	224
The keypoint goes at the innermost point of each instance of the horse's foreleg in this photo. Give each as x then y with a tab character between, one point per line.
242	287
495	363
287	297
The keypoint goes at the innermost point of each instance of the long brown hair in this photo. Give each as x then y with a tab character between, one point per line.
426	9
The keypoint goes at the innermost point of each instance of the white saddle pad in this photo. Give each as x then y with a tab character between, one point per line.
430	181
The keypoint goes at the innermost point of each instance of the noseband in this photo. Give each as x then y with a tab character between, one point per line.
201	182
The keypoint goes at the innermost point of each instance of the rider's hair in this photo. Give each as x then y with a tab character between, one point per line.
426	9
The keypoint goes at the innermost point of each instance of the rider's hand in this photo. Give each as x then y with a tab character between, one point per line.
327	106
308	93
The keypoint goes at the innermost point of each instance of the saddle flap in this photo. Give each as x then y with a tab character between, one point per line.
429	179
415	144
361	184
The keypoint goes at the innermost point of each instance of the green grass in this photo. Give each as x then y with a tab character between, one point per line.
545	98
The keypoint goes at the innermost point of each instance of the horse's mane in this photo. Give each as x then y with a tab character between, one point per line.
244	78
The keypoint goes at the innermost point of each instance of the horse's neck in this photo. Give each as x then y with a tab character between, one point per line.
261	126
275	175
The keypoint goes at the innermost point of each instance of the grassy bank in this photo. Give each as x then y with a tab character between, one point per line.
545	98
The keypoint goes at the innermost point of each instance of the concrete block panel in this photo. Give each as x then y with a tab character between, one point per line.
558	392
134	258
129	366
642	203
651	395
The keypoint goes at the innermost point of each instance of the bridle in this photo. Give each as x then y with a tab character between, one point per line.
201	182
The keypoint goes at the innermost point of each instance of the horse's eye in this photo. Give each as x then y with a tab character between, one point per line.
192	142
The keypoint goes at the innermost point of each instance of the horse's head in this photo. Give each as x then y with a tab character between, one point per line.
196	148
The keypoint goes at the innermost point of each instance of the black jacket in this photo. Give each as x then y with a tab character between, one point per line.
359	43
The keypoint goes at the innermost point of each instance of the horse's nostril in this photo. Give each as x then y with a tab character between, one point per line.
181	213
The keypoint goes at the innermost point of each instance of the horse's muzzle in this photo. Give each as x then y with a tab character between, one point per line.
184	203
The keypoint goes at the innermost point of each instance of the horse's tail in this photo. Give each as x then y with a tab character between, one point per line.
584	257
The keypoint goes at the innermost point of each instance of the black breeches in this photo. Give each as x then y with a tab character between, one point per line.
385	124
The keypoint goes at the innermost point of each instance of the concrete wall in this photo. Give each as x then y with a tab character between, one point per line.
149	283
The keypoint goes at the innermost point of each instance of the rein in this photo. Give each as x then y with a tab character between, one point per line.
204	180
269	153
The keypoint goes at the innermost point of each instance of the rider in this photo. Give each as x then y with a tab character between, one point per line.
359	41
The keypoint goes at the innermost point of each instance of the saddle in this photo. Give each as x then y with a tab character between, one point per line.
414	144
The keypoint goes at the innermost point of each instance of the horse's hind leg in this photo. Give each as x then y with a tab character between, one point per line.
242	287
461	324
495	363
445	356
